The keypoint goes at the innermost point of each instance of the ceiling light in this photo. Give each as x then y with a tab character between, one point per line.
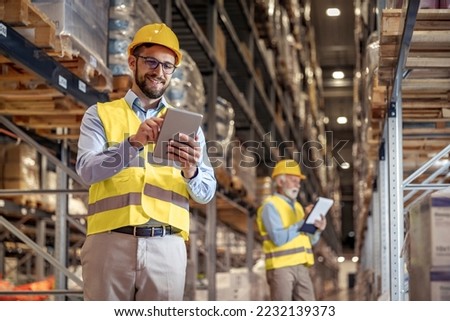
341	259
341	120
338	74
333	12
355	259
345	165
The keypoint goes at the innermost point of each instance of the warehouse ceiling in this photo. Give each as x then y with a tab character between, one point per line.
336	51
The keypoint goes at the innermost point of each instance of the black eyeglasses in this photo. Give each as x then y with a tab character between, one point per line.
153	63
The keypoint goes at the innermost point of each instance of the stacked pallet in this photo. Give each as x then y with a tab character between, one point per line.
425	89
27	98
425	97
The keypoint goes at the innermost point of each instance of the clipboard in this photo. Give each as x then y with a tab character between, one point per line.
176	121
321	207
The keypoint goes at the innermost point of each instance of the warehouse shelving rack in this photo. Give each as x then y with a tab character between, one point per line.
245	81
394	192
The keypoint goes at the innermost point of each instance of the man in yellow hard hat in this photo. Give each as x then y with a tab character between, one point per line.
139	208
288	252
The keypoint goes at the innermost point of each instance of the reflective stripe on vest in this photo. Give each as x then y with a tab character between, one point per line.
288	252
119	201
136	194
296	251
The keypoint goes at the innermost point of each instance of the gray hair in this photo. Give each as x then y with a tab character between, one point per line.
278	181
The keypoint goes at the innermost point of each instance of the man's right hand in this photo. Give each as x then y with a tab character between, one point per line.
147	132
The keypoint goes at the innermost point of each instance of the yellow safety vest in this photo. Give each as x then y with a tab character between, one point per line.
296	251
135	194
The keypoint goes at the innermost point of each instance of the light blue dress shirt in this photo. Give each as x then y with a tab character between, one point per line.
274	226
93	152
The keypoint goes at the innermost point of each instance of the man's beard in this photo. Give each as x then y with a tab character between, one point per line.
292	193
150	93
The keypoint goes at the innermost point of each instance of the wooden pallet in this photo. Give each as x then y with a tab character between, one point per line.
426	88
25	96
425	99
430	45
35	26
29	21
46	111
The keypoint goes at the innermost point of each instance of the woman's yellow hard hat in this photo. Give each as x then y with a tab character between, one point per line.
159	34
288	167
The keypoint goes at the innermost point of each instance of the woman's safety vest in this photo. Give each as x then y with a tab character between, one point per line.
296	251
135	194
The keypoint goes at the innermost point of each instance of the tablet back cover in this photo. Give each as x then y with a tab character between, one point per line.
176	121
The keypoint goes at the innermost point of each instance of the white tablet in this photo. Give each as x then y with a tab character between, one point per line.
321	207
176	121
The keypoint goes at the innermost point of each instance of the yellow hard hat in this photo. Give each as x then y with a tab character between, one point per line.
288	167
160	34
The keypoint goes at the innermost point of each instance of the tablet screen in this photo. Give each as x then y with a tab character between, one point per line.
321	207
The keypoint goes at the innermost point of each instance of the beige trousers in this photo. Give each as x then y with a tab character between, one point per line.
124	267
292	283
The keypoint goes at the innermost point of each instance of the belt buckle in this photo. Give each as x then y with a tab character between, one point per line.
152	231
134	230
163	233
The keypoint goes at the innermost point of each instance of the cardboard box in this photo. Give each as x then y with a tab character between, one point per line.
440	227
440	283
429	247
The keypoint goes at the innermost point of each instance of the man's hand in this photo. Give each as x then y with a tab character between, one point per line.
321	224
187	151
147	132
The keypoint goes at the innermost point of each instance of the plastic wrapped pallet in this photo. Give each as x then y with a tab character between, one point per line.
76	204
125	18
85	23
186	88
225	128
220	148
20	170
243	169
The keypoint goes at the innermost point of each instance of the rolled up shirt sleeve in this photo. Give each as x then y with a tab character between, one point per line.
314	238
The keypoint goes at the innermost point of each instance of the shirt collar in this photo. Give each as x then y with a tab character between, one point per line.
133	101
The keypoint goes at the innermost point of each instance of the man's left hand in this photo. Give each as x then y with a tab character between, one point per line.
321	224
187	151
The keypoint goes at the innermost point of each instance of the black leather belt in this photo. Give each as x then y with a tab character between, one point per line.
147	231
